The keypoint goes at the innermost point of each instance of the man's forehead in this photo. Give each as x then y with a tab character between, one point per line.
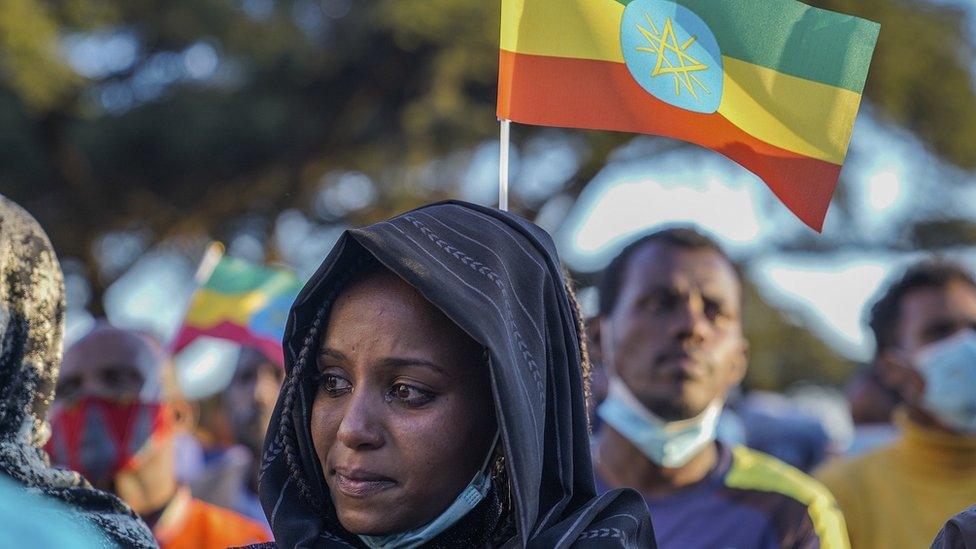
956	299
660	264
109	346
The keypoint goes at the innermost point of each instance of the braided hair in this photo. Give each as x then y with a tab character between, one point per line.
287	433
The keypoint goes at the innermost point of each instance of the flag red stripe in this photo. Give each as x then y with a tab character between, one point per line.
233	332
583	93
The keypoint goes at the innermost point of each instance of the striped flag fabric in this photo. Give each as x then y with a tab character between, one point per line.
775	85
244	303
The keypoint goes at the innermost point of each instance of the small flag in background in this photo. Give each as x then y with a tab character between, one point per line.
774	85
244	303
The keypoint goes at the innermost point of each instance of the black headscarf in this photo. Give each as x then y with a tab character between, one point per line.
497	277
32	325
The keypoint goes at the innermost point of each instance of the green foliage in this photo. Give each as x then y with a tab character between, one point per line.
29	58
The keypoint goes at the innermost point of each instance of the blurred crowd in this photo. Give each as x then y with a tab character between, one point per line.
885	462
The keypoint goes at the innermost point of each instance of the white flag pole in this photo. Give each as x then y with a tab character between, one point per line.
503	165
208	263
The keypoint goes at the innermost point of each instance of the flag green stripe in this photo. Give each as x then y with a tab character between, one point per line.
234	276
792	38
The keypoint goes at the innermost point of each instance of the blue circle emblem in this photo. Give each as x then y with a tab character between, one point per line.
672	54
270	321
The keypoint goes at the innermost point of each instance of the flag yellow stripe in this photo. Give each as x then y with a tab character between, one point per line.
209	308
582	29
795	114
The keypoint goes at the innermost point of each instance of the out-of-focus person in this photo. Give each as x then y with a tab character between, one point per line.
116	416
924	324
249	403
670	334
32	327
959	532
237	420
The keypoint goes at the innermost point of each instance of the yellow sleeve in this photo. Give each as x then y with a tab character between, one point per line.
838	477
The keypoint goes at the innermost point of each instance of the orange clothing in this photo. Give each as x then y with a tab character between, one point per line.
189	523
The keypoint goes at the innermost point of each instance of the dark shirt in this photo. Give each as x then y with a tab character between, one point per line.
748	501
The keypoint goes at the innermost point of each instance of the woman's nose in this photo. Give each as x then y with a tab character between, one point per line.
361	424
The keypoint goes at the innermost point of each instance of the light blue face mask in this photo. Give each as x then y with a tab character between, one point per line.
468	499
666	443
949	370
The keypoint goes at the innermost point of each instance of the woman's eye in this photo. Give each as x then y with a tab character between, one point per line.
410	395
334	385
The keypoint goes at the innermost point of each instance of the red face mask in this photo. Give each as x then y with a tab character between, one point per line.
101	437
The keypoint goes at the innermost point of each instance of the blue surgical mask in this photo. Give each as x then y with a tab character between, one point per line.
468	499
949	369
666	443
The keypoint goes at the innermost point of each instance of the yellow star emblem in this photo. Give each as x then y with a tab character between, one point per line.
683	67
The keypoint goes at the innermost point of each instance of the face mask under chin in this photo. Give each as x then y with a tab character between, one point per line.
464	503
668	444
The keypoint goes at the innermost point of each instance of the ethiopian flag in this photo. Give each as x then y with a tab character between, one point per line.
774	85
241	302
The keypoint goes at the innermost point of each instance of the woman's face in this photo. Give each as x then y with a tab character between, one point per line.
403	416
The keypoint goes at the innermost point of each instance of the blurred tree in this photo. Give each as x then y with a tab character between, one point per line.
208	117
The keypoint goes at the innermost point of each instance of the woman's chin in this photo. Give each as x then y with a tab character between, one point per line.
366	523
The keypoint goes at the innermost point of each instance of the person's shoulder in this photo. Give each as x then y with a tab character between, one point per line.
799	507
228	520
851	470
756	471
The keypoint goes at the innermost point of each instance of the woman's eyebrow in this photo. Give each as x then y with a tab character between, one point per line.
398	362
329	352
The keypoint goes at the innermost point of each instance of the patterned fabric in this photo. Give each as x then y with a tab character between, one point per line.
32	325
498	277
749	501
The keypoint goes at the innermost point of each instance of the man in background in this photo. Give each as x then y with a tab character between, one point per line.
249	403
924	325
670	334
117	412
237	420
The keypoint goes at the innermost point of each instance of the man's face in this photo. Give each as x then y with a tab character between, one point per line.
928	315
111	363
933	314
115	400
250	399
675	334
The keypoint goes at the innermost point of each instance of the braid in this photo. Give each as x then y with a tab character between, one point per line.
286	428
580	338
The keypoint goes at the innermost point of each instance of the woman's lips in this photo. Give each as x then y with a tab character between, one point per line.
361	484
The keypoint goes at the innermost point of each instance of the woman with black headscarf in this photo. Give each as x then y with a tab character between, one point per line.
32	325
435	396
